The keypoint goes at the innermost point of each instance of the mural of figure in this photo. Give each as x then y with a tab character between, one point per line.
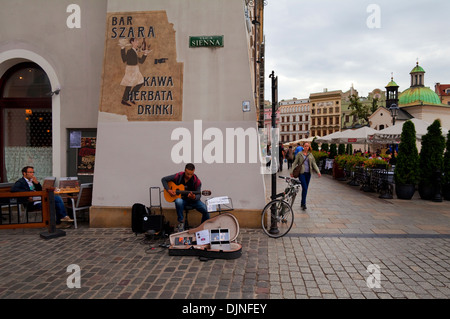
133	79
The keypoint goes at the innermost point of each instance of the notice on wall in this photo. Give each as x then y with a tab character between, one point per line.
141	76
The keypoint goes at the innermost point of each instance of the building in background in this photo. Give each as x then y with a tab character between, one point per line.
325	112
422	102
294	119
443	91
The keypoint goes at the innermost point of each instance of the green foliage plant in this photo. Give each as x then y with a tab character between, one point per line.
407	168
333	151
446	166
431	154
341	149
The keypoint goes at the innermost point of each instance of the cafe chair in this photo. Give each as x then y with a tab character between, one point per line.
82	201
68	182
49	182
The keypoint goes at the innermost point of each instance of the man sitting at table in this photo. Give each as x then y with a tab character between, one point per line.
29	183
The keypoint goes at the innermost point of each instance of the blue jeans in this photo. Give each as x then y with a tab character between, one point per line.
304	180
60	209
197	204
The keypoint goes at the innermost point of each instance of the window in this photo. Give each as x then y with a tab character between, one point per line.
28	81
26	117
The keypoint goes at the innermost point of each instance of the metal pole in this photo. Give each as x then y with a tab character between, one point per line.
52	231
273	226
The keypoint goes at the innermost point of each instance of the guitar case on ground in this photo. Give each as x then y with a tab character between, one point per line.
222	231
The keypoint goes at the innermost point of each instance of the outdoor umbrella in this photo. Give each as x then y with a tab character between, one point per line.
329	138
392	134
357	136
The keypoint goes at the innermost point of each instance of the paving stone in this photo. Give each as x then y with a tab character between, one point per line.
325	255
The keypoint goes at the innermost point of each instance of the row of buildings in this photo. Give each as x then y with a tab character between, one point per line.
327	112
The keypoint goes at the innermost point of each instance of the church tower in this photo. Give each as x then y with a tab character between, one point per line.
417	76
391	94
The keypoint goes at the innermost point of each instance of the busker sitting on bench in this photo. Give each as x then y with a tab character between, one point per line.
190	185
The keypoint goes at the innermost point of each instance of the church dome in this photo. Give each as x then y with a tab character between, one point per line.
392	84
417	69
419	95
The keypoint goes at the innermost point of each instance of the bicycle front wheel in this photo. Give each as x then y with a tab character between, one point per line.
277	218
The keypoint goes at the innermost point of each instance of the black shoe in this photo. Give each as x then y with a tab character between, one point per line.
304	207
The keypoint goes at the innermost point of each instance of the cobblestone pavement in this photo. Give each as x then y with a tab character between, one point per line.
327	254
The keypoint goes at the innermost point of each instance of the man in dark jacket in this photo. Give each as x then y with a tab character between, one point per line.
29	183
191	183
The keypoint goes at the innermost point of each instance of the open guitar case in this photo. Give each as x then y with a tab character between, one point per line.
185	243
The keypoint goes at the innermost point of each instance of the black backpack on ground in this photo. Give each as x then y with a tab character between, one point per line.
142	220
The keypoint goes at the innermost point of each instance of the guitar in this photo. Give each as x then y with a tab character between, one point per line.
179	189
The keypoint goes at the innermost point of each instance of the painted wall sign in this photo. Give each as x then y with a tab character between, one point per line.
141	76
206	41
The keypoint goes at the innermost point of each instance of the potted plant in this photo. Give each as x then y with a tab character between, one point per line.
338	166
407	168
446	171
314	145
333	150
341	149
431	162
375	163
320	157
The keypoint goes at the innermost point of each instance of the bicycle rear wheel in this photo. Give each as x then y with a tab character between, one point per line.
277	218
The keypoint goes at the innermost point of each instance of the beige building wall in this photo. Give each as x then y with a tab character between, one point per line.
430	113
380	119
36	31
325	112
133	156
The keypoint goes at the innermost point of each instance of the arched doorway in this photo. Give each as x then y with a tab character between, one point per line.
26	118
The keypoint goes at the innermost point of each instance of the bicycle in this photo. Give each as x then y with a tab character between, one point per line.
277	217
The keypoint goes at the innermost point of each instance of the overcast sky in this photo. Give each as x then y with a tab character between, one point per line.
317	44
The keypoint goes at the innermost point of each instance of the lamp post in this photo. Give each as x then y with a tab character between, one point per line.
273	227
394	112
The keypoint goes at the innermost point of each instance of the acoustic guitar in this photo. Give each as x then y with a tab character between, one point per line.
179	189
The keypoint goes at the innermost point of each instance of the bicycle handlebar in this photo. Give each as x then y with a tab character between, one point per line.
289	179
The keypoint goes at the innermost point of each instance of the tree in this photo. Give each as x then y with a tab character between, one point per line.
359	111
446	166
374	105
407	168
349	149
341	149
314	145
333	151
431	159
446	170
